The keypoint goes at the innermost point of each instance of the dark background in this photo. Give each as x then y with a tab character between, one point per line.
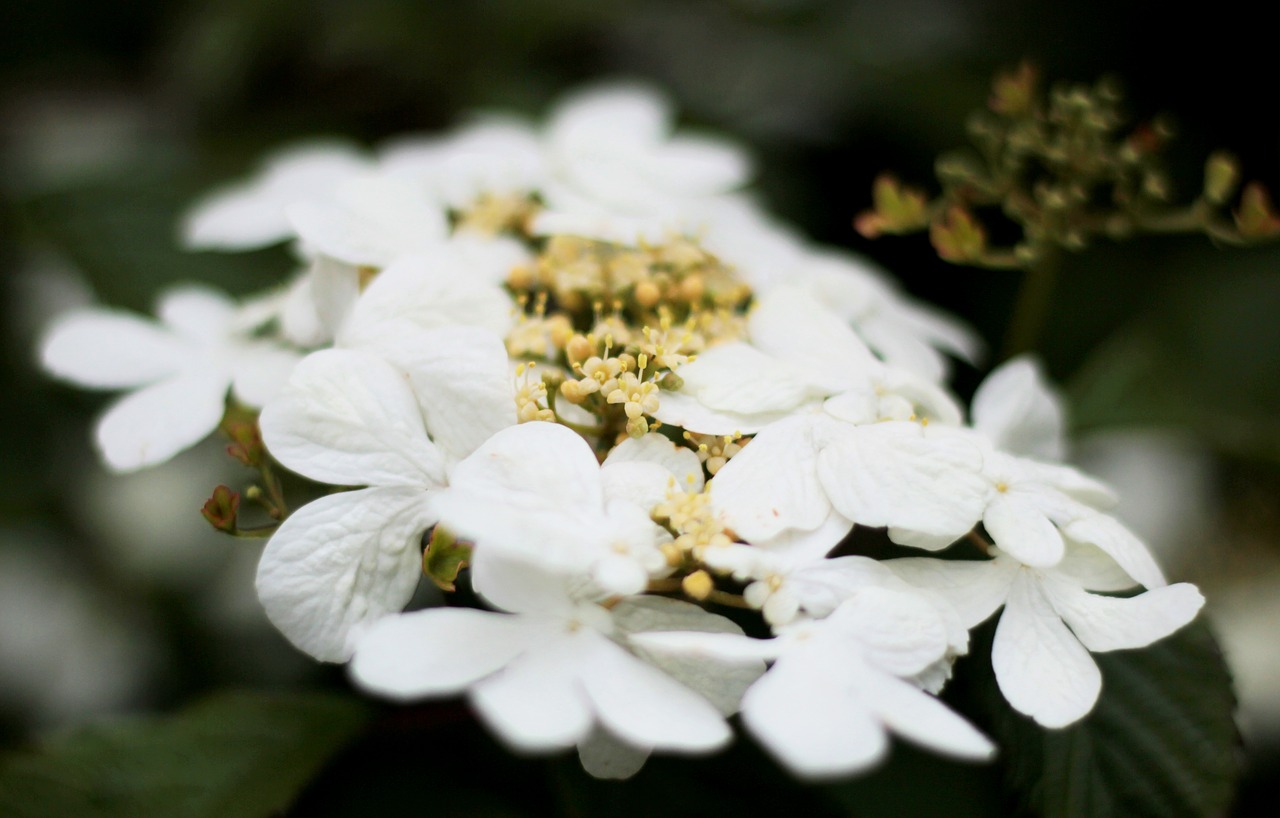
113	117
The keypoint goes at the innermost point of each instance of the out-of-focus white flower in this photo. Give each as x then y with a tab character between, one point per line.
251	214
1043	668
350	418
537	490
839	685
179	370
618	174
554	671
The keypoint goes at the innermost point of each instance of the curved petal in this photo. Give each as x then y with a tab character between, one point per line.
689	413
642	484
899	474
340	563
199	313
898	631
107	349
1121	544
915	715
370	220
350	418
809	719
537	701
261	371
533	466
1015	408
645	707
439	651
158	421
792	325
462	380
1110	623
975	588
679	461
424	292
1021	530
740	379
603	755
772	484
1042	670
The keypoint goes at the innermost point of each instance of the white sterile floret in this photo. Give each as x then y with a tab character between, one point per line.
538	491
494	156
618	174
251	214
556	671
838	685
179	370
350	418
1051	621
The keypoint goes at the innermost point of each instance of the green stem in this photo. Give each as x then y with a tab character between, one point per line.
1032	306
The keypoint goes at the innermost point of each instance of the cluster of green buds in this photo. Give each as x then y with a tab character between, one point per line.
1065	167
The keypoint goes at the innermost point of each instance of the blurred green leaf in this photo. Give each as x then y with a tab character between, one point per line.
234	754
1160	742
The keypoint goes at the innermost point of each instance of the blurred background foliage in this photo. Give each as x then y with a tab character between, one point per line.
114	596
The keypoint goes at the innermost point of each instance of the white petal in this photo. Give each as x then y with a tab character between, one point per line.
1121	544
533	466
1042	670
1016	409
261	372
722	682
462	380
897	474
642	484
825	583
605	756
642	705
739	378
340	563
1072	482
772	484
371	221
424	292
975	588
900	632
105	349
537	702
679	461
1019	528
158	421
795	327
808	717
729	647
689	413
350	418
915	715
1110	623
1090	567
335	289
521	585
197	312
439	651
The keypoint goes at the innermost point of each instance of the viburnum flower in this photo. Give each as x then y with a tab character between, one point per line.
1051	620
556	671
251	214
839	684
618	173
179	370
537	490
350	418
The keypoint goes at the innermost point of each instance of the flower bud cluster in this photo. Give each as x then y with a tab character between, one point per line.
580	360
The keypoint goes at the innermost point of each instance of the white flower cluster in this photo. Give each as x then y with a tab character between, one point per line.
584	353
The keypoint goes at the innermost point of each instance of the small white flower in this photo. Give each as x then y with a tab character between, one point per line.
618	174
1051	621
839	684
555	671
537	490
251	214
179	370
350	418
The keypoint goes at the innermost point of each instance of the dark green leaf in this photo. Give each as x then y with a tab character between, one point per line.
242	754
1160	742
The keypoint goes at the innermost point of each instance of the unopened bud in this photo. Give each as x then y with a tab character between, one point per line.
1013	92
221	509
1221	177
896	209
698	585
957	236
1256	217
578	349
647	294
